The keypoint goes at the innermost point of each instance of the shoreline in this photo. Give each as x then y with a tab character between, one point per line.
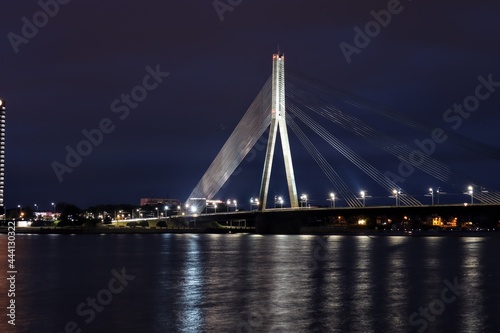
248	230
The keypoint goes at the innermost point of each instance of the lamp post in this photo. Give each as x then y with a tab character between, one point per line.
157	212
166	211
471	193
303	200
363	193
280	201
53	207
228	203
395	193
254	202
439	193
235	205
431	192
332	199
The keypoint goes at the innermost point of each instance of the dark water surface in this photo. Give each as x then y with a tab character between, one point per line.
253	283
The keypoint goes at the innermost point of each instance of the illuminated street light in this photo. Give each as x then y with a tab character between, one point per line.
280	201
53	207
303	200
254	202
431	192
363	194
332	199
166	211
396	196
471	193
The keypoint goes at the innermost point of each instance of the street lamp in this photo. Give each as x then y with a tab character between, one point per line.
303	199
36	207
157	212
235	205
363	197
471	193
395	193
53	207
166	211
278	200
215	208
254	202
431	192
332	199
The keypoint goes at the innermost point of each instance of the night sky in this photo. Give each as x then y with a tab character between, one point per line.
69	77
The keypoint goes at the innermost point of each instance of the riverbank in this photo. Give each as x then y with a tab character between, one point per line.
237	230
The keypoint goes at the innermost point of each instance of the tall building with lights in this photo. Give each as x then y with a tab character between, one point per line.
2	157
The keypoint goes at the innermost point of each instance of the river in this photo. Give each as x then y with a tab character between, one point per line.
253	283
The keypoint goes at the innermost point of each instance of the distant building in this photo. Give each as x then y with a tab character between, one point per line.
47	216
160	201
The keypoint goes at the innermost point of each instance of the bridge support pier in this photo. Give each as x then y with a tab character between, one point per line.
276	224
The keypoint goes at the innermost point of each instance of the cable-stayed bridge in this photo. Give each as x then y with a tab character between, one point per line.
294	101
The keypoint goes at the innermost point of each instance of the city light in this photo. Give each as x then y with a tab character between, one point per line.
395	193
230	202
278	200
254	202
332	199
471	193
303	200
363	194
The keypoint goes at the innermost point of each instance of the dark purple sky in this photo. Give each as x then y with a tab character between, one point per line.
64	79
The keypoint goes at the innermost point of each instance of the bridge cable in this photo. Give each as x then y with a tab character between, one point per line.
362	164
341	187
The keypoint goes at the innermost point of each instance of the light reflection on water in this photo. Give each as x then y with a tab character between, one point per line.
252	283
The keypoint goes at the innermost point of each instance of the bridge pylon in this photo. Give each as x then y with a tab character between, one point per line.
278	122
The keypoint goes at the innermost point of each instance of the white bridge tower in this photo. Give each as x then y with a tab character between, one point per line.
278	121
